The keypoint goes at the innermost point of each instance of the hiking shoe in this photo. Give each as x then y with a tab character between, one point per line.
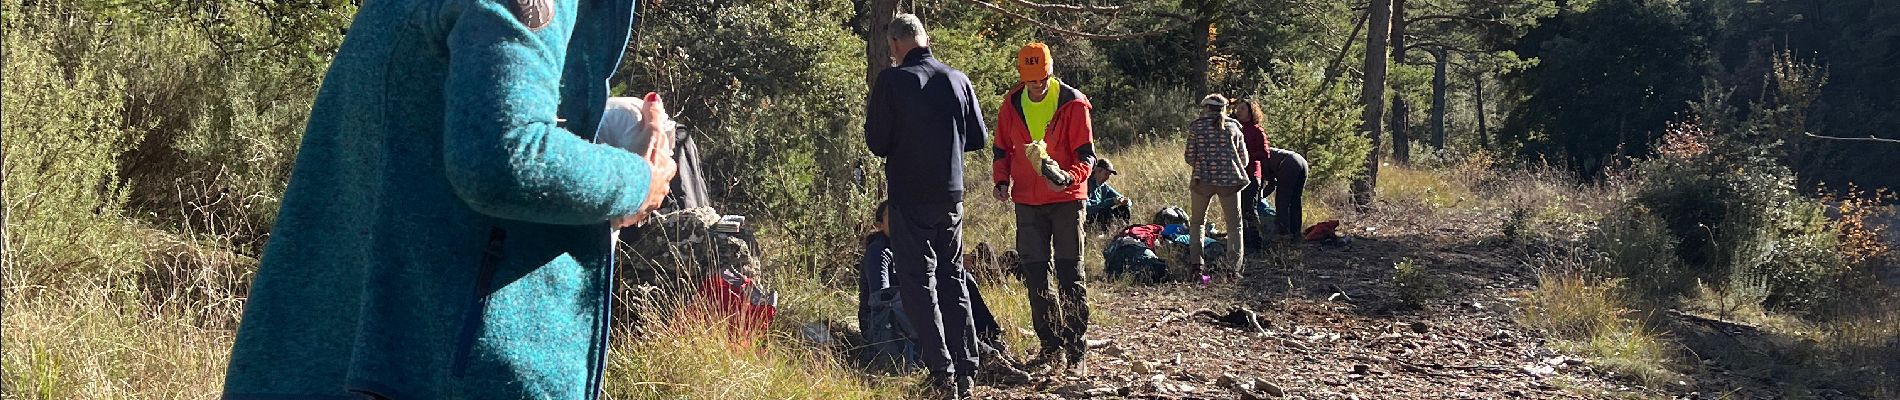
940	387
966	387
1077	368
1046	362
994	371
1075	357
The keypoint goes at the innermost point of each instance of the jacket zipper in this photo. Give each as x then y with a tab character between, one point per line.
492	255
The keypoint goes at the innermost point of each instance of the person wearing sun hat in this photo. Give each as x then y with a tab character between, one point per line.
1044	151
1217	153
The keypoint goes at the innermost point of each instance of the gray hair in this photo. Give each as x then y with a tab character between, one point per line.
906	26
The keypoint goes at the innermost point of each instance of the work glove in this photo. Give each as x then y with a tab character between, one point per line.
1038	154
1035	152
1058	179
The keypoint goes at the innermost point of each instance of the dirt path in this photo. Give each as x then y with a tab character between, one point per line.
1335	330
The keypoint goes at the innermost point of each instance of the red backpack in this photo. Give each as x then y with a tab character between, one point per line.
1146	233
738	300
1322	231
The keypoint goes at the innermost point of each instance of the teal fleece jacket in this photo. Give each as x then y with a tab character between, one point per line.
443	235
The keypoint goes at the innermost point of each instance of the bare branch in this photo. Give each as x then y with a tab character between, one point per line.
1067	31
1068	7
1333	69
1846	139
1461	18
1455	49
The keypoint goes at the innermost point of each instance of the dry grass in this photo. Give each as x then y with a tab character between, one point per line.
688	357
1588	316
89	343
1402	184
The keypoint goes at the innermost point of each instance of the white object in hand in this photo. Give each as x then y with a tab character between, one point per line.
621	125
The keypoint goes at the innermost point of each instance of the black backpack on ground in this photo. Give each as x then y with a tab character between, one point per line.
1128	256
1170	215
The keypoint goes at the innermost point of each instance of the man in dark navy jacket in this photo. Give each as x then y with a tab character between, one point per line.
921	117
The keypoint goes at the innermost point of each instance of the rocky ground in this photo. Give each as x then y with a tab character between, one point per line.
1331	326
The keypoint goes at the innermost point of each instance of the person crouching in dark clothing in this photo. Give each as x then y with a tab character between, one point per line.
874	270
1284	175
1107	208
874	277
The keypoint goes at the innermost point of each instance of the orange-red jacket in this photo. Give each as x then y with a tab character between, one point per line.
1070	138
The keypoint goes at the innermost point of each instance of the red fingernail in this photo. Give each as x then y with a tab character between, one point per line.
653	96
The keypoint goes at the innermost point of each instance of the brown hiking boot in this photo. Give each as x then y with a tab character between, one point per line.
942	387
1074	355
994	370
1048	361
1078	369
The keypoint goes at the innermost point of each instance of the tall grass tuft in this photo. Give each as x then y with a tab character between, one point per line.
1589	316
90	343
696	356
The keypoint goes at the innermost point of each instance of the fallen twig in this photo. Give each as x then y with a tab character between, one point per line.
1340	291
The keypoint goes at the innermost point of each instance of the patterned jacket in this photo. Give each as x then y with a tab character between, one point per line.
1216	151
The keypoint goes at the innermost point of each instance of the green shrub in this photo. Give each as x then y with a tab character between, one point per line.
1735	222
1805	273
1415	285
773	93
1143	115
1632	243
1321	125
63	194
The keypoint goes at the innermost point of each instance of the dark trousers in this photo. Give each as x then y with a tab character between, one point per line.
1288	172
1254	236
1049	238
1110	218
926	245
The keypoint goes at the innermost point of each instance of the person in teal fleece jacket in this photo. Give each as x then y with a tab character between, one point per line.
445	232
1106	207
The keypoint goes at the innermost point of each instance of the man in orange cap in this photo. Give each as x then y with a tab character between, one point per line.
1044	149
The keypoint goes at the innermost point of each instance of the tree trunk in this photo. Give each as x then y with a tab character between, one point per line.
1484	134
877	43
1203	46
6	252
1401	112
1438	100
1372	93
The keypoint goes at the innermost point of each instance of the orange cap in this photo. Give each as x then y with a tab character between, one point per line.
1033	62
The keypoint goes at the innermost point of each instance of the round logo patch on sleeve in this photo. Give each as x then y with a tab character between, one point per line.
534	14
